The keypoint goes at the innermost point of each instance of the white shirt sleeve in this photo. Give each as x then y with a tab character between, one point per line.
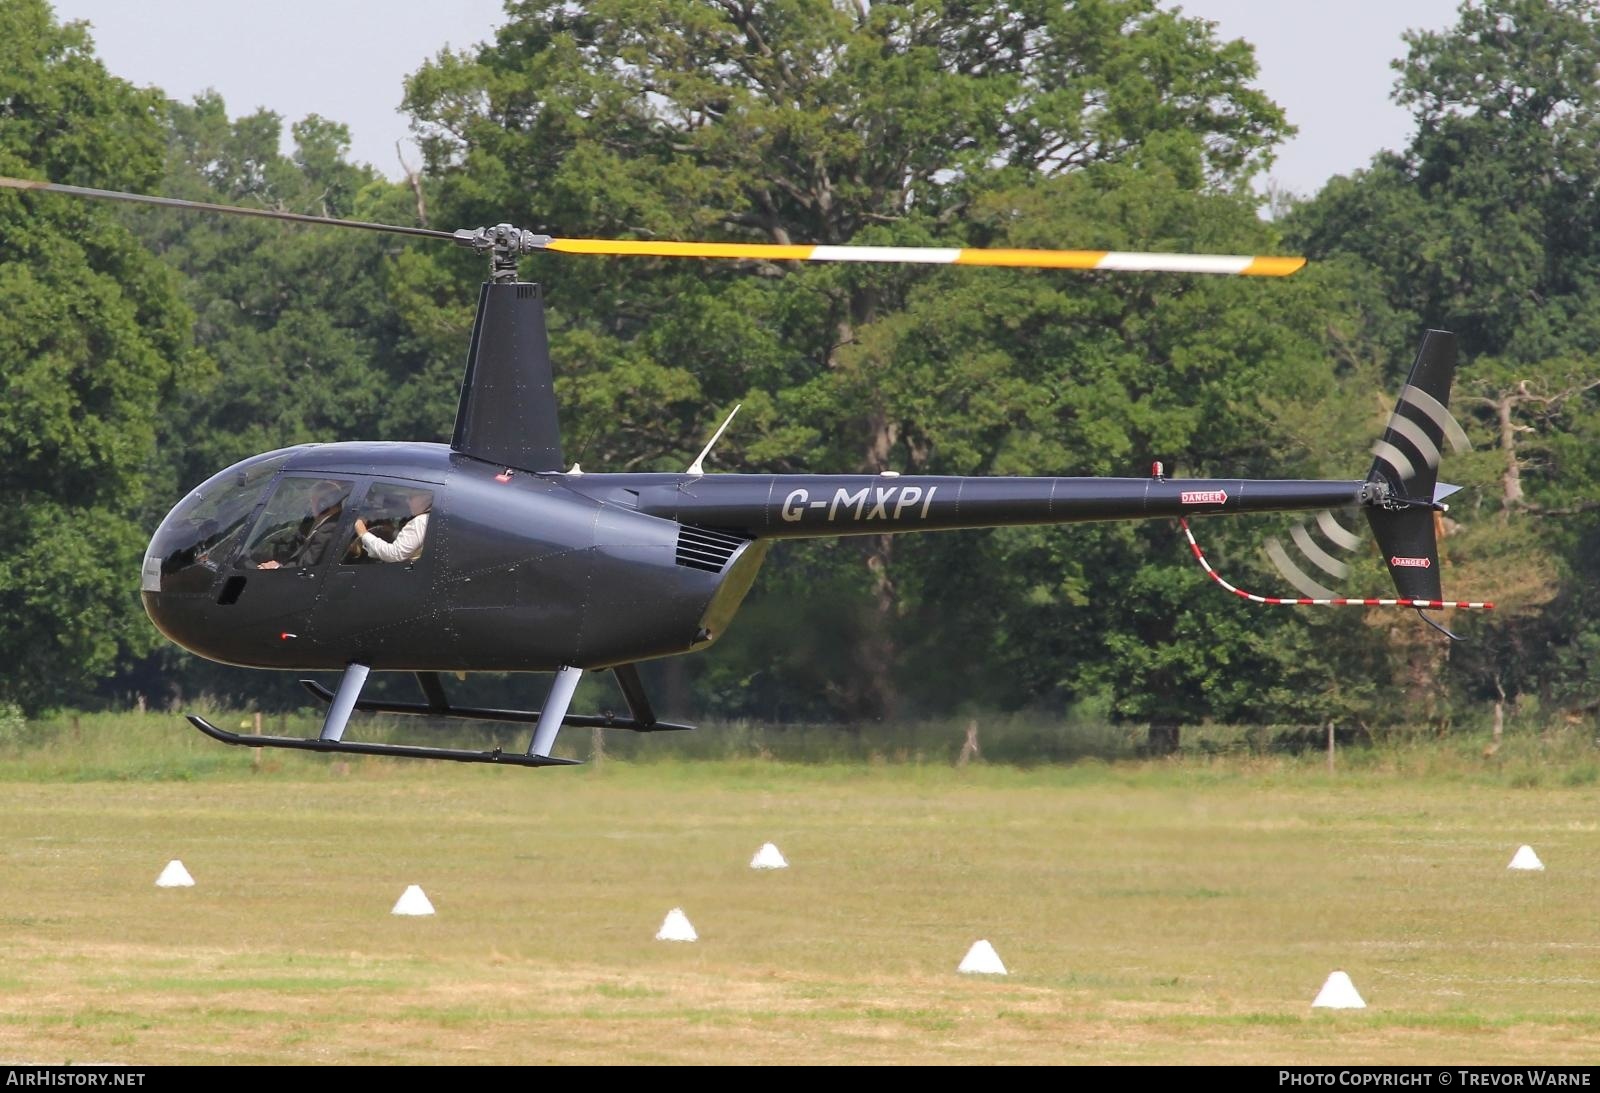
406	546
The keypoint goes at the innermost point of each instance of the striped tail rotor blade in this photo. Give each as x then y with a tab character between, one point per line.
1314	553
1407	455
1336	532
1441	417
1294	574
1395	459
1418	437
1236	264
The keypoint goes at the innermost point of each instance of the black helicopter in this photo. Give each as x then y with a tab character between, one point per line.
490	554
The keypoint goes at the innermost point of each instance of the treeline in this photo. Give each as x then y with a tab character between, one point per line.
144	350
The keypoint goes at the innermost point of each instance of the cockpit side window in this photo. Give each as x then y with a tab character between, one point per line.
299	525
392	525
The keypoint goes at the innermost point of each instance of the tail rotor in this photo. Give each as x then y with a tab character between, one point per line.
1339	540
1402	496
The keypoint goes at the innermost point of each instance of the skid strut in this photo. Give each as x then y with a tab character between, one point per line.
642	718
562	689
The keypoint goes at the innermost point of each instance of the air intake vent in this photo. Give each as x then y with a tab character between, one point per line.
699	548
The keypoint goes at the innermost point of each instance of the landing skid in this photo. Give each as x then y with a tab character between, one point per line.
404	751
548	721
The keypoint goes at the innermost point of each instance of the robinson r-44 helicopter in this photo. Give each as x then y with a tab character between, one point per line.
490	554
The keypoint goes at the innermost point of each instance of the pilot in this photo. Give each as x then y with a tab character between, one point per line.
407	545
316	530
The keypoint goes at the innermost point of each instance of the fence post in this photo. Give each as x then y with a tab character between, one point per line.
969	748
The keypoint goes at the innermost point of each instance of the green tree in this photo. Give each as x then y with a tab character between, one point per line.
93	337
308	344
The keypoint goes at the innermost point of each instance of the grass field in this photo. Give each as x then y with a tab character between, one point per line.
1182	911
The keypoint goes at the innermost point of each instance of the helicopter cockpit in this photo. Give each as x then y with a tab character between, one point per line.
266	513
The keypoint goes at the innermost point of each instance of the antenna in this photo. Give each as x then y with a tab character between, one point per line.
577	463
698	466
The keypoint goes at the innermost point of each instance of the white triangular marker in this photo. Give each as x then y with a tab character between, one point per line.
982	959
412	902
676	927
1525	858
768	857
174	876
1338	993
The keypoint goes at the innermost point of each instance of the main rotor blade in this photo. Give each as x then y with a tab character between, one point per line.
514	241
237	210
957	256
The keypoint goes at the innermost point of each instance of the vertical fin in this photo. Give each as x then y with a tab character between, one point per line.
1408	463
1408	452
1410	549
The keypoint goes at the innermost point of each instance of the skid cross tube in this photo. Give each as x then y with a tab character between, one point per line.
473	713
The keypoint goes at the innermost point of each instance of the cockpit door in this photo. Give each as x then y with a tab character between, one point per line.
274	580
377	599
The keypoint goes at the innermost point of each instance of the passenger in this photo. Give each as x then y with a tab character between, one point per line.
407	545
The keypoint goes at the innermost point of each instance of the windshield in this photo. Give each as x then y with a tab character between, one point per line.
206	526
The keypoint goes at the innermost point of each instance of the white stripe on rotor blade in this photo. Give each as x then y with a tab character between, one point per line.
1395	458
1337	531
939	256
1175	263
1324	561
1442	417
1418	436
1293	575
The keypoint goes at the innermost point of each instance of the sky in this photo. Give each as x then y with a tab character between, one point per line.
1326	62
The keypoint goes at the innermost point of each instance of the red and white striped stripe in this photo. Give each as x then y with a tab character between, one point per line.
1337	601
